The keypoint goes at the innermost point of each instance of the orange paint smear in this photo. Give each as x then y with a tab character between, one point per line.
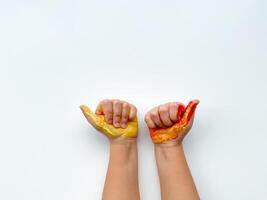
184	116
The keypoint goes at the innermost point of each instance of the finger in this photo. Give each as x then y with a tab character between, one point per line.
125	114
133	112
180	110
189	111
108	109
173	109
154	115
88	115
164	115
99	108
149	122
117	108
105	107
191	121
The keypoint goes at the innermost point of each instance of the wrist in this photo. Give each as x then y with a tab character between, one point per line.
169	144
123	147
168	151
123	141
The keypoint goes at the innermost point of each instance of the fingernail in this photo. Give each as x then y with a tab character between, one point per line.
123	125
109	119
116	124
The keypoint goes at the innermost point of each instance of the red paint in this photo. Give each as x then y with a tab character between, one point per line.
184	116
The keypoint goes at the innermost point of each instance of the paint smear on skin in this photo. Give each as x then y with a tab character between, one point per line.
184	115
98	121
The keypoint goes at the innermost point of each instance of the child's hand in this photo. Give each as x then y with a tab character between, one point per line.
170	122
114	118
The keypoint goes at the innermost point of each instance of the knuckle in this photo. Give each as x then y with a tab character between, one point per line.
154	114
125	105
117	107
133	108
134	111
163	109
173	109
105	101
146	118
173	104
116	102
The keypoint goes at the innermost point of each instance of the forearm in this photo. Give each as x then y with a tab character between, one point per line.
122	175
176	181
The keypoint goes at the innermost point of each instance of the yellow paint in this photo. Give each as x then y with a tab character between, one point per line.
98	121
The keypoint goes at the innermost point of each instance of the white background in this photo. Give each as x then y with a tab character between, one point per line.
56	55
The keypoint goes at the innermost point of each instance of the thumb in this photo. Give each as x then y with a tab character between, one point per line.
89	115
188	113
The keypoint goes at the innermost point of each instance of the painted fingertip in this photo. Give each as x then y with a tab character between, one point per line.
194	104
84	108
195	101
191	107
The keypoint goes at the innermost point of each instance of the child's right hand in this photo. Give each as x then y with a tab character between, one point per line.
170	122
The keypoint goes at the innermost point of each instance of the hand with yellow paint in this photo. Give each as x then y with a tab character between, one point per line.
117	120
114	118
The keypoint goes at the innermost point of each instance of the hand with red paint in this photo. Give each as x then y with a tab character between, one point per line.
170	122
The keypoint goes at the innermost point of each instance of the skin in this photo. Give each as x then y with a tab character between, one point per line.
117	120
168	124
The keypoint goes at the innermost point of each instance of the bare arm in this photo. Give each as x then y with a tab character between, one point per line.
122	175
117	120
168	124
176	181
